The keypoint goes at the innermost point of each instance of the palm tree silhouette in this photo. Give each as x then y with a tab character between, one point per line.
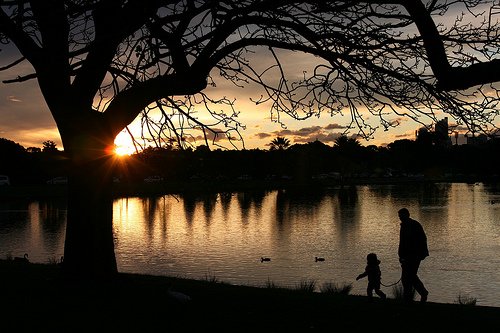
279	143
343	143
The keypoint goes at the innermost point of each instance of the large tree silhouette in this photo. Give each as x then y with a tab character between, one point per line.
102	64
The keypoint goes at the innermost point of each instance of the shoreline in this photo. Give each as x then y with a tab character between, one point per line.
200	186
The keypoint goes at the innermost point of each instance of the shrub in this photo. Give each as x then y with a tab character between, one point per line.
271	284
334	288
466	300
306	285
210	277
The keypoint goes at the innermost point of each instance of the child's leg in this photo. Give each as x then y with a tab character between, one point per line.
369	291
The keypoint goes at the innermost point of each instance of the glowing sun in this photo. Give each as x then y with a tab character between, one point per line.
123	144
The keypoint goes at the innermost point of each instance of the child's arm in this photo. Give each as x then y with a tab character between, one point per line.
362	275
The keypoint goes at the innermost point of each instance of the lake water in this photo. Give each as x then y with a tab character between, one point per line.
223	236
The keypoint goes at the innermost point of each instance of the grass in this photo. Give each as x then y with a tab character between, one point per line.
306	285
336	289
271	284
466	300
38	296
397	291
210	277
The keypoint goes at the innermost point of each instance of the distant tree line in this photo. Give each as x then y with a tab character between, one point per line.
345	159
31	164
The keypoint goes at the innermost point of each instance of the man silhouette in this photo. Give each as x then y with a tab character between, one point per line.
412	250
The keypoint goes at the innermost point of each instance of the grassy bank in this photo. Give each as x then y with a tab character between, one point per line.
37	296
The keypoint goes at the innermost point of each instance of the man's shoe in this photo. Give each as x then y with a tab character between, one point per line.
423	298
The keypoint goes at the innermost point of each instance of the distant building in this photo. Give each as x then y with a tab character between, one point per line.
438	137
441	137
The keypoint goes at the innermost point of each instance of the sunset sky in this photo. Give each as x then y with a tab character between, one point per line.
27	120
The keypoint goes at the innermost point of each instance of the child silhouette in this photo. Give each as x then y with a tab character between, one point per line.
372	270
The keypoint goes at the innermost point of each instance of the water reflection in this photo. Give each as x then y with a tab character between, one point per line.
347	207
209	202
52	217
189	201
225	235
248	202
34	227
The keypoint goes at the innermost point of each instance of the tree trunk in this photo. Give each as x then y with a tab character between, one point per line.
89	247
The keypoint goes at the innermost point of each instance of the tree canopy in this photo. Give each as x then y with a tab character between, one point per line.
384	59
279	143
